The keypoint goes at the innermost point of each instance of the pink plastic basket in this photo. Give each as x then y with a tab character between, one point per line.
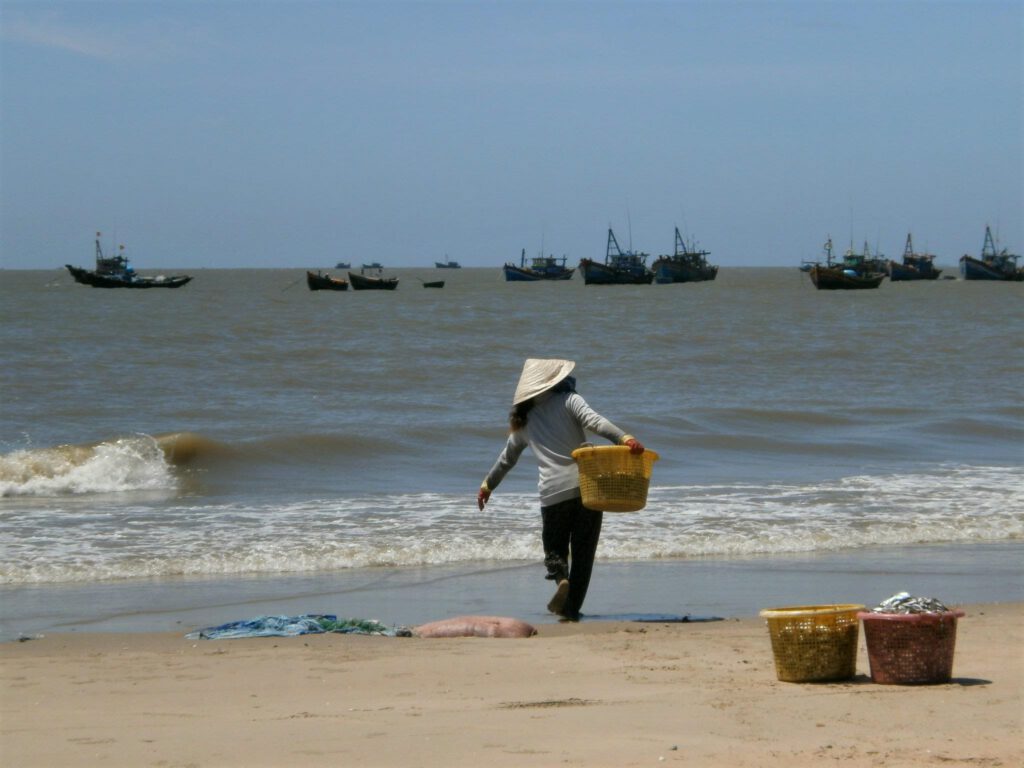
911	648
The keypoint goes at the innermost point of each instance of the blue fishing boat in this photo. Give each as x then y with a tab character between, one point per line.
116	272
993	264
619	267
541	268
915	266
686	265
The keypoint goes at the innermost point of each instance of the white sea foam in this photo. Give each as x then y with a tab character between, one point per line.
128	464
83	542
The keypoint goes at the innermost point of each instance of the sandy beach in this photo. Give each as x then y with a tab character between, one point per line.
588	694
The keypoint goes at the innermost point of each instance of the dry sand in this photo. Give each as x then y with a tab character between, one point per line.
590	694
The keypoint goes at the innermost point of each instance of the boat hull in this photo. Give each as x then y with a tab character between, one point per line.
97	280
596	273
364	283
976	269
907	272
837	279
514	274
666	270
325	282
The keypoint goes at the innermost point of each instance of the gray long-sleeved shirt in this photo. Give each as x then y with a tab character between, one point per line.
555	427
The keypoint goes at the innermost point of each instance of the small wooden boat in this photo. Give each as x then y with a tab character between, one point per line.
541	268
320	282
619	267
369	283
993	264
434	284
686	265
116	272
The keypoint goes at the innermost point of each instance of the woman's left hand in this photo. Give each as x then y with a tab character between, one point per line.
634	445
481	498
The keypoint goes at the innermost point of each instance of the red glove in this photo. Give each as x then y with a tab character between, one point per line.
635	446
482	496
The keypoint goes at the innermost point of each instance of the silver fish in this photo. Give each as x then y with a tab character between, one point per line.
904	602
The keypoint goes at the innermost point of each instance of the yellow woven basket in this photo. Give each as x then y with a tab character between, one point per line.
814	643
612	479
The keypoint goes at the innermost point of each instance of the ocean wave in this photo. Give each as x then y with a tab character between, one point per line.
125	464
950	504
147	462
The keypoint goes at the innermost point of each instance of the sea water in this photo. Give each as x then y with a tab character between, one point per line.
243	427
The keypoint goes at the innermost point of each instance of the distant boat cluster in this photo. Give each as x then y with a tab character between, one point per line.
864	270
687	264
360	281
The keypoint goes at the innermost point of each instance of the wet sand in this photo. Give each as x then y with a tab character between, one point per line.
957	574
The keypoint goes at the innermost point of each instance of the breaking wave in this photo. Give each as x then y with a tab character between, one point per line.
184	538
125	464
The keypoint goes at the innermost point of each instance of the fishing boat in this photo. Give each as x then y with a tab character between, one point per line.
343	265
915	266
619	267
865	261
320	282
447	264
362	282
541	268
373	265
116	272
853	273
993	264
434	284
686	265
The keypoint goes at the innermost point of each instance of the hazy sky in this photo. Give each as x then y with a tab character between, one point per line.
225	134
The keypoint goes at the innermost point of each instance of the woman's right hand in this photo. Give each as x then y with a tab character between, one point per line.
634	445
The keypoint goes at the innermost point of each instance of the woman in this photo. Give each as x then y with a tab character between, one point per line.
548	416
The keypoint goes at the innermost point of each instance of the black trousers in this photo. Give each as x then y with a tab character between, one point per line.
570	535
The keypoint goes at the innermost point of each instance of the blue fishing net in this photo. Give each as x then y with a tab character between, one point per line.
290	626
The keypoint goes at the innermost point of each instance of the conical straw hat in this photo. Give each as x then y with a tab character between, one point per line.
539	376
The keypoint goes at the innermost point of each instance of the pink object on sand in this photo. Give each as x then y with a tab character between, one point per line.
476	626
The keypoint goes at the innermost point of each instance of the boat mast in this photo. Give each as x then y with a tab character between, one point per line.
908	250
611	242
988	250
